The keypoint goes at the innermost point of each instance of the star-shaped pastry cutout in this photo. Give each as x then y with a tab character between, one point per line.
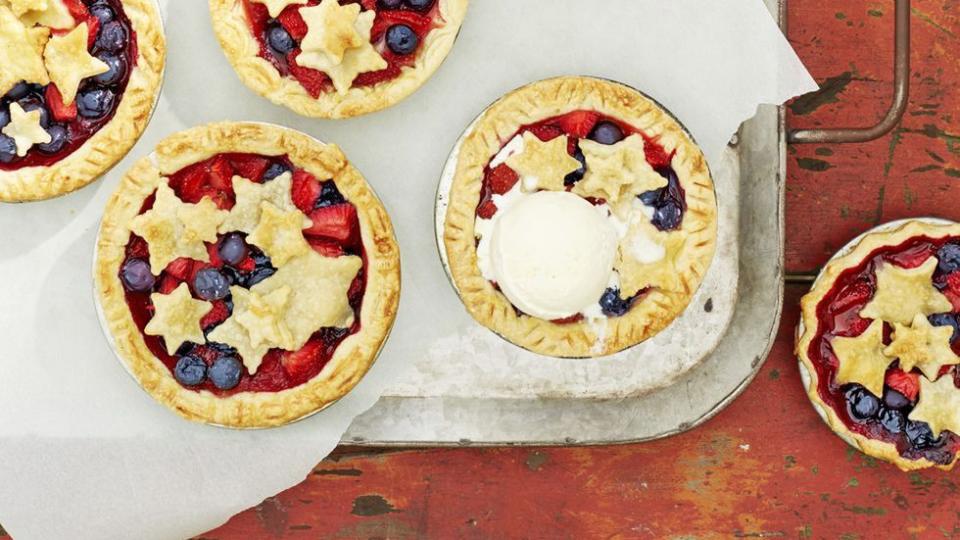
19	57
903	293
279	234
245	214
256	325
276	7
861	359
173	228
176	318
331	29
25	129
543	165
50	13
357	60
647	258
68	62
922	345
939	405
617	171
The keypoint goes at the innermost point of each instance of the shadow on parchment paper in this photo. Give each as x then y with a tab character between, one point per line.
25	226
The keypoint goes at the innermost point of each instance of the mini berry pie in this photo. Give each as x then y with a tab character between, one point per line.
336	59
78	82
878	344
581	218
247	274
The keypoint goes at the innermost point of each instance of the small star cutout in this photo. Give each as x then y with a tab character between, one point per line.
861	359
53	14
173	228
177	318
361	59
903	293
939	405
256	325
245	214
922	345
279	234
543	165
25	129
617	171
647	257
276	7
18	53
331	29
69	63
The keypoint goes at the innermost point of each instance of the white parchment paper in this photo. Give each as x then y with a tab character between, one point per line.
84	453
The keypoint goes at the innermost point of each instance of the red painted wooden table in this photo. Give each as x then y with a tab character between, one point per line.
765	467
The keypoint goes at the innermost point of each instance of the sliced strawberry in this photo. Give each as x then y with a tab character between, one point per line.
191	184
313	81
368	4
579	123
294	24
93	26
486	210
952	291
213	250
502	179
247	265
327	248
138	248
59	111
856	294
337	222
546	132
216	315
301	363
304	191
257	14
251	167
221	174
168	284
907	384
180	268
657	155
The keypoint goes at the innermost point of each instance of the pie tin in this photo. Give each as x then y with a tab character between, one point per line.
101	317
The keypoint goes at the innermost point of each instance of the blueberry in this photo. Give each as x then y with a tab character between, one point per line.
274	170
58	139
136	275
280	40
33	103
8	149
4	117
233	248
894	399
95	103
18	91
612	305
233	275
329	195
576	175
389	4
946	319
920	434
259	275
210	284
102	12
190	370
668	216
650	198
225	372
862	405
949	256
401	39
118	68
222	348
606	133
892	420
112	37
260	259
420	5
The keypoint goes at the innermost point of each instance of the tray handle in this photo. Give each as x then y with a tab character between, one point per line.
901	91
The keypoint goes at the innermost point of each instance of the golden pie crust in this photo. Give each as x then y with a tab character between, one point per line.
108	145
243	51
355	354
650	314
810	324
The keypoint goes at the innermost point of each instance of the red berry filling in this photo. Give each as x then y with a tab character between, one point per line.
280	39
885	417
335	232
112	40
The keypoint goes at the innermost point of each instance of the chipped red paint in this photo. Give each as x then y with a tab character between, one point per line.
766	466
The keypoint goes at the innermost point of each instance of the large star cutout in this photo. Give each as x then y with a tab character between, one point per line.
331	29
68	62
543	165
861	359
256	325
902	293
647	258
357	60
617	171
276	7
279	234
50	13
25	129
939	405
19	57
173	228
922	345
245	214
176	318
